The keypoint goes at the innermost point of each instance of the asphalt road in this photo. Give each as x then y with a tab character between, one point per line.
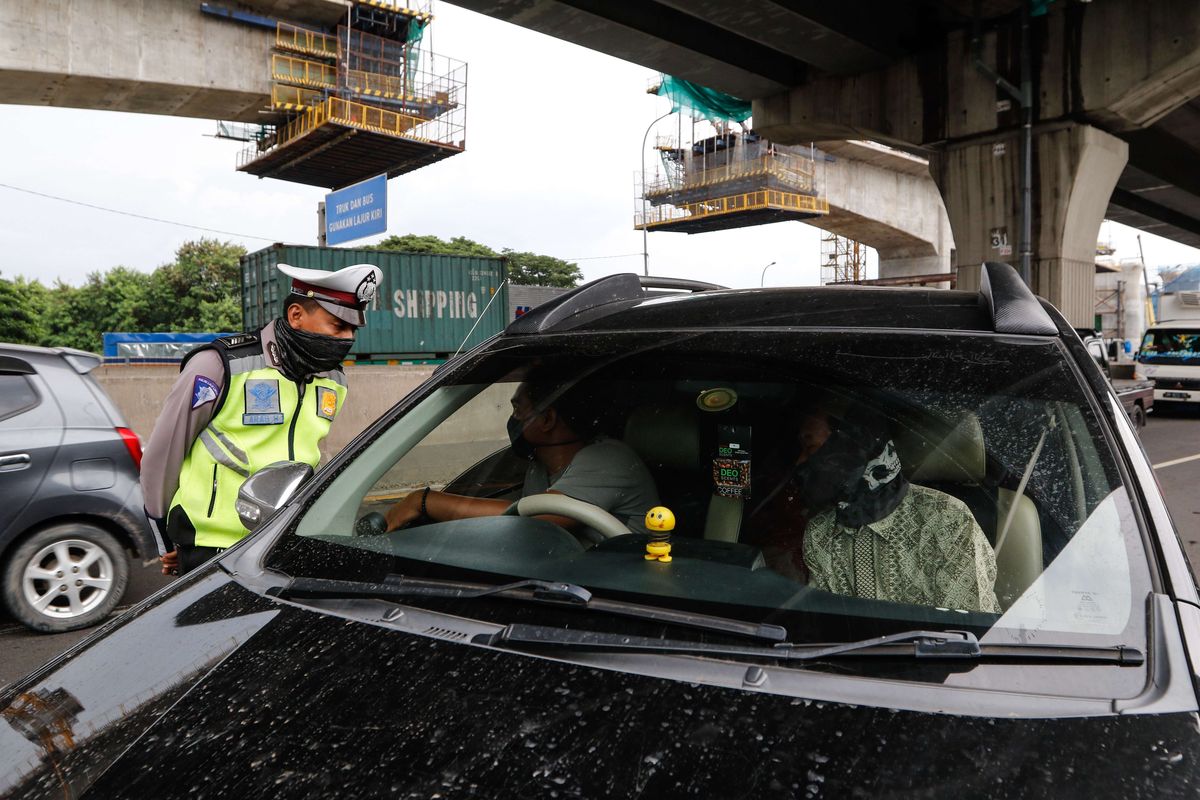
1172	440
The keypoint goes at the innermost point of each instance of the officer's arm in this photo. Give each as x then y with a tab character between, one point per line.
187	409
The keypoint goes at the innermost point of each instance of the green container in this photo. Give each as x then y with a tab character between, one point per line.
427	308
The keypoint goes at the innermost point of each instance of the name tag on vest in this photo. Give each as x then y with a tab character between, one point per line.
262	402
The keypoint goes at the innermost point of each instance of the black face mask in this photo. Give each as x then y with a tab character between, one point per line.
303	354
856	470
520	445
524	448
828	474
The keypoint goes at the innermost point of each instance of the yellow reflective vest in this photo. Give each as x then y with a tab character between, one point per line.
262	418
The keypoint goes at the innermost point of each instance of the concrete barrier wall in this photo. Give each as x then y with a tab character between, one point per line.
138	391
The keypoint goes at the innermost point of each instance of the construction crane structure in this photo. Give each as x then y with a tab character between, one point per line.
353	100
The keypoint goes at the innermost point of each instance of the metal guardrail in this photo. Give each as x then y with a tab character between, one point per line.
301	72
294	98
796	172
302	40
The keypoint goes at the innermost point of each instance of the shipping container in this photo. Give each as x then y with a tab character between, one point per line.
152	348
426	309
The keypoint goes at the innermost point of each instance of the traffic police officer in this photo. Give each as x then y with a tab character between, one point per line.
246	401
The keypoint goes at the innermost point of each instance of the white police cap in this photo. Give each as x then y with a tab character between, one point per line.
344	293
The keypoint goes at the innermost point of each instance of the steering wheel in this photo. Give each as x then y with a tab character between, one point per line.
371	524
593	516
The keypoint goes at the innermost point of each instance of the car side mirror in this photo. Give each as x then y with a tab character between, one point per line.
264	492
1095	349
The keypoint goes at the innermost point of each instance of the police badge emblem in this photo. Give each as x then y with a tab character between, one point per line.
262	402
326	403
367	288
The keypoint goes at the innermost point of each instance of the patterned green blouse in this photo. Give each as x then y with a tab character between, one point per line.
929	551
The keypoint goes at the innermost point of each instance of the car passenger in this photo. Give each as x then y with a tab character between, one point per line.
875	535
557	434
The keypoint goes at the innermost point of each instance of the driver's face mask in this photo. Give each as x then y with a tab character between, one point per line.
521	446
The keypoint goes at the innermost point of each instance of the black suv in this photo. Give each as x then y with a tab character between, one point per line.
69	478
916	550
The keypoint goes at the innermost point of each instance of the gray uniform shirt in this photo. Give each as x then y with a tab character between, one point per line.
606	473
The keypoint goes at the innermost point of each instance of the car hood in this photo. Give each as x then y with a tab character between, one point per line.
211	690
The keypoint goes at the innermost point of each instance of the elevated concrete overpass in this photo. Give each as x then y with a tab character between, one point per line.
1111	113
142	56
166	57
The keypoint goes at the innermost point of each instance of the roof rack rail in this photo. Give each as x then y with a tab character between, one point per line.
1014	308
610	289
684	284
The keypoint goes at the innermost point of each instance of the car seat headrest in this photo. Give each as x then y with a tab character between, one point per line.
664	436
956	456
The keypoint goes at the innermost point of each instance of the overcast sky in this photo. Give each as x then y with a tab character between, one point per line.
554	136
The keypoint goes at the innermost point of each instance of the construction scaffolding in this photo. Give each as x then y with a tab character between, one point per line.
359	100
842	260
731	179
718	173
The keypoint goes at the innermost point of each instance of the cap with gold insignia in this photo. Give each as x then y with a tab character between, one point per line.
344	293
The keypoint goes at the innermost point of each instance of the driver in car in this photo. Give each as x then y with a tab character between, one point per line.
553	428
872	533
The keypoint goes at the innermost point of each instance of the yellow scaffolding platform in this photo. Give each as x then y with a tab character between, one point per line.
732	211
340	142
391	87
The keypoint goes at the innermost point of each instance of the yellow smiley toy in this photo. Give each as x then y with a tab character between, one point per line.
660	522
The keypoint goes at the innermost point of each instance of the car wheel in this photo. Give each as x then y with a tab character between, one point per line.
1139	417
64	578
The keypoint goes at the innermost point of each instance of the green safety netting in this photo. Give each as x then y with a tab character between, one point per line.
416	30
701	101
1039	8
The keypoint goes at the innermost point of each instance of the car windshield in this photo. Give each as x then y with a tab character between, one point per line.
835	483
1170	346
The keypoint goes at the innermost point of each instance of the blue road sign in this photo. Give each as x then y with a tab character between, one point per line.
356	211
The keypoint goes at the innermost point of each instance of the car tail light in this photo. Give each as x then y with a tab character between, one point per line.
133	444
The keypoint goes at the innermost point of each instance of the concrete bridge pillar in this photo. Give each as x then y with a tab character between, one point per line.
885	199
1075	168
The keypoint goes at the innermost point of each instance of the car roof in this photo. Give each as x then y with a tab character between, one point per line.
33	349
1004	305
825	307
81	361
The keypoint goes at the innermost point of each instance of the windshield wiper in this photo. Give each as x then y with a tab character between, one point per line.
939	644
550	592
918	644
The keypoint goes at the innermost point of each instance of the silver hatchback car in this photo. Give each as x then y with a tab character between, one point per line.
72	505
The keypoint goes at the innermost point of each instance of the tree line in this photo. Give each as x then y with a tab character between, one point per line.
200	291
524	268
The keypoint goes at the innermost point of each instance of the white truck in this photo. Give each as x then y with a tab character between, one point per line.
1170	357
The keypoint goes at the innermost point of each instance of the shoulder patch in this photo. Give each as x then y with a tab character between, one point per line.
240	340
204	391
326	402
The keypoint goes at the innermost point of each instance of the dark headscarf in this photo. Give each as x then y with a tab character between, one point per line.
856	471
